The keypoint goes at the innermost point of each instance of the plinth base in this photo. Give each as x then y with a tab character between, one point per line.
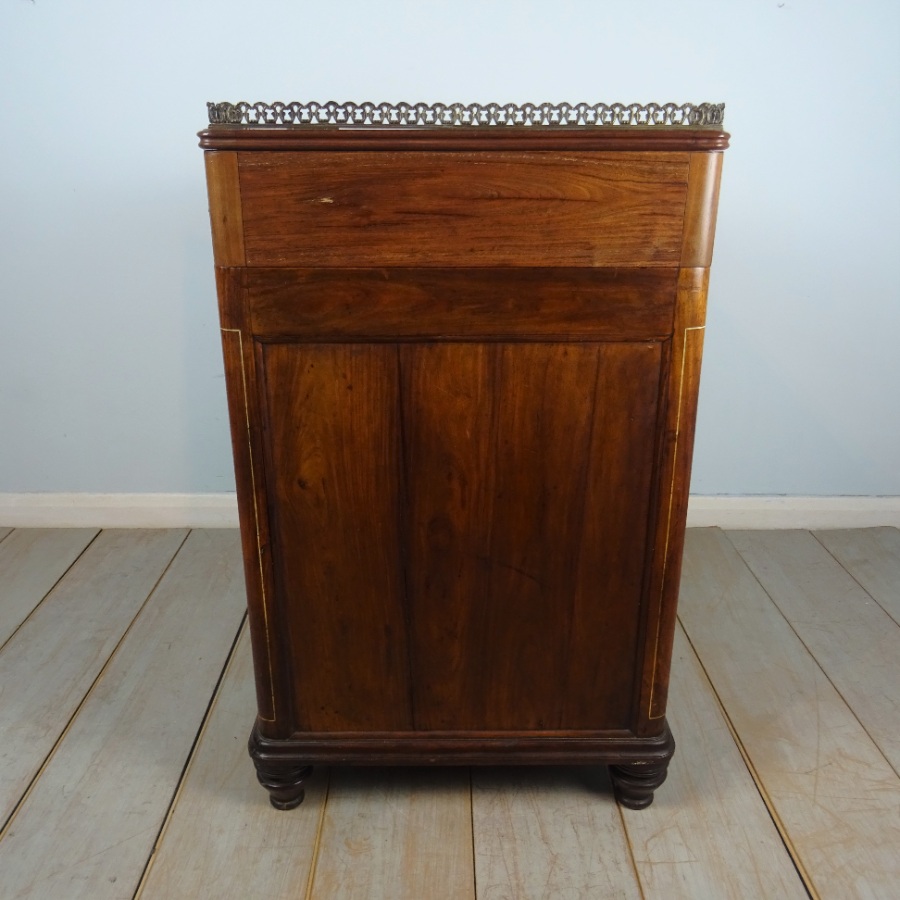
637	765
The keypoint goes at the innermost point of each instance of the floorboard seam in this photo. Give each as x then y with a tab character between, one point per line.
52	587
814	658
472	821
862	587
790	849
189	759
634	865
90	690
318	841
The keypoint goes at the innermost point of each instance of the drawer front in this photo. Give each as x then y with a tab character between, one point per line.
477	303
463	209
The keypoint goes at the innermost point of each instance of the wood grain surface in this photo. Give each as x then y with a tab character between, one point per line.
333	415
525	485
682	387
486	304
57	654
473	209
88	826
831	788
549	833
701	209
872	557
615	550
223	839
836	620
32	560
223	186
449	536
707	834
396	834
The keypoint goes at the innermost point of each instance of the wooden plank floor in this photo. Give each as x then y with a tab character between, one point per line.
126	698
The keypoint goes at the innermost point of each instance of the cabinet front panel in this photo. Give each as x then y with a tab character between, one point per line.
460	530
472	209
333	441
528	516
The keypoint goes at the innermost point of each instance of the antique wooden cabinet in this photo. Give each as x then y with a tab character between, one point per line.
462	350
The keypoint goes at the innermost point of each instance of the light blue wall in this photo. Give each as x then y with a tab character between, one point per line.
110	373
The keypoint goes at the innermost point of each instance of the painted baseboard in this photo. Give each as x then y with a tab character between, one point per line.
793	512
118	510
220	511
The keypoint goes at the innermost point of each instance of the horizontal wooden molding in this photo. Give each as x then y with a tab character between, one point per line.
75	510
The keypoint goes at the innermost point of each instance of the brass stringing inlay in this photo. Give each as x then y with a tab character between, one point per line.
262	574
697	330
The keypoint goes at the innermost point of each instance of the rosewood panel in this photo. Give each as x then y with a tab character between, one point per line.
272	687
496	503
223	187
701	208
472	209
545	401
464	525
333	433
489	304
674	473
449	416
609	605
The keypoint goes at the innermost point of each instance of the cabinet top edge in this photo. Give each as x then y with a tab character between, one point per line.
637	138
669	126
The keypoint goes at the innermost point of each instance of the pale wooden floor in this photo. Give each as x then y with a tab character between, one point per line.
126	699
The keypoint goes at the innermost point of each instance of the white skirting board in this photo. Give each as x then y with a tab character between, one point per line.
118	510
220	511
792	512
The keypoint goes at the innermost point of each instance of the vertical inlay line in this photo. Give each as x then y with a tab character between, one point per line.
671	503
262	580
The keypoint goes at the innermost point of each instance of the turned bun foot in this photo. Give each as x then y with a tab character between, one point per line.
634	783
284	783
282	777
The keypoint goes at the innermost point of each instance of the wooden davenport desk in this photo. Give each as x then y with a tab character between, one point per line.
462	360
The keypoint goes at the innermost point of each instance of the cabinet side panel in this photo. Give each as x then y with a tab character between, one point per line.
700	209
226	220
240	382
674	479
608	607
471	209
332	413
